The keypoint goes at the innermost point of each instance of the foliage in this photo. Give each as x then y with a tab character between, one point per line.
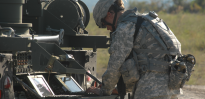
197	6
170	6
188	28
143	6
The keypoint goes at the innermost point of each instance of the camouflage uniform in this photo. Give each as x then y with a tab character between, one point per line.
150	84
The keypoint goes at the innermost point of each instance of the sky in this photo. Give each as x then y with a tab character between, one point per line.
91	3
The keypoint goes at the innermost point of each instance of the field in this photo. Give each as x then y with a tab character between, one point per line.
188	28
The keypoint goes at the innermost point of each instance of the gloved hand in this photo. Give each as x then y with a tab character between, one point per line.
97	90
94	90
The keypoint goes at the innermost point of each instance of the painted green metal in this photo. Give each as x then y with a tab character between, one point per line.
20	28
11	10
14	44
55	7
87	41
11	16
53	22
45	51
31	19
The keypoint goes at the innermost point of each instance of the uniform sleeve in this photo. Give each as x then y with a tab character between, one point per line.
120	49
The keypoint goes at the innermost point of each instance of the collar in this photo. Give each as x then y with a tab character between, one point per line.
128	13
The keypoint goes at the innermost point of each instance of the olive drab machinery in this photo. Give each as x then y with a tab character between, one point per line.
32	63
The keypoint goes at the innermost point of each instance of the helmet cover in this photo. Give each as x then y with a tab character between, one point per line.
100	11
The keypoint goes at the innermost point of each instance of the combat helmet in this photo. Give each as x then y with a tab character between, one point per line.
100	11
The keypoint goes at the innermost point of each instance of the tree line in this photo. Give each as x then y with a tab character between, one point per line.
169	6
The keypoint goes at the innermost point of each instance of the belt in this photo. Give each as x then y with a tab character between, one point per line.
153	65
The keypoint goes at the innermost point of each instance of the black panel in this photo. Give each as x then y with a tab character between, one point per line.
87	41
66	11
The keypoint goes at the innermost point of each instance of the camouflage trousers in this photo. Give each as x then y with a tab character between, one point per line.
152	85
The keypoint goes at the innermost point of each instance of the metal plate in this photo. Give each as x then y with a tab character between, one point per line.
66	11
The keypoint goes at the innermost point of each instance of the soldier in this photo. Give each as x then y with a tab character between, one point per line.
139	56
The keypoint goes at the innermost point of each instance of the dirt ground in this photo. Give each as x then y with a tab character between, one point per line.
190	92
193	92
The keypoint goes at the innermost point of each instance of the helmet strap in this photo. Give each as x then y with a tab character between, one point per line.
113	24
117	9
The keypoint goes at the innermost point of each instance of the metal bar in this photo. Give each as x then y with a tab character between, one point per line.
27	87
45	51
86	41
14	44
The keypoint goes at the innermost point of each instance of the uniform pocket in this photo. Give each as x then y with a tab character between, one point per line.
129	73
176	79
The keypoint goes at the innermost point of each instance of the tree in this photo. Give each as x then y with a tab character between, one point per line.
179	2
143	6
170	6
200	3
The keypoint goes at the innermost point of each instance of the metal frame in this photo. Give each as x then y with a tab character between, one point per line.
35	86
60	76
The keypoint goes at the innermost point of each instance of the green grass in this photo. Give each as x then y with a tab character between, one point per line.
188	28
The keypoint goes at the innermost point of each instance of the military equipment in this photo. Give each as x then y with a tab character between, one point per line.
188	58
33	65
181	70
190	62
180	66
